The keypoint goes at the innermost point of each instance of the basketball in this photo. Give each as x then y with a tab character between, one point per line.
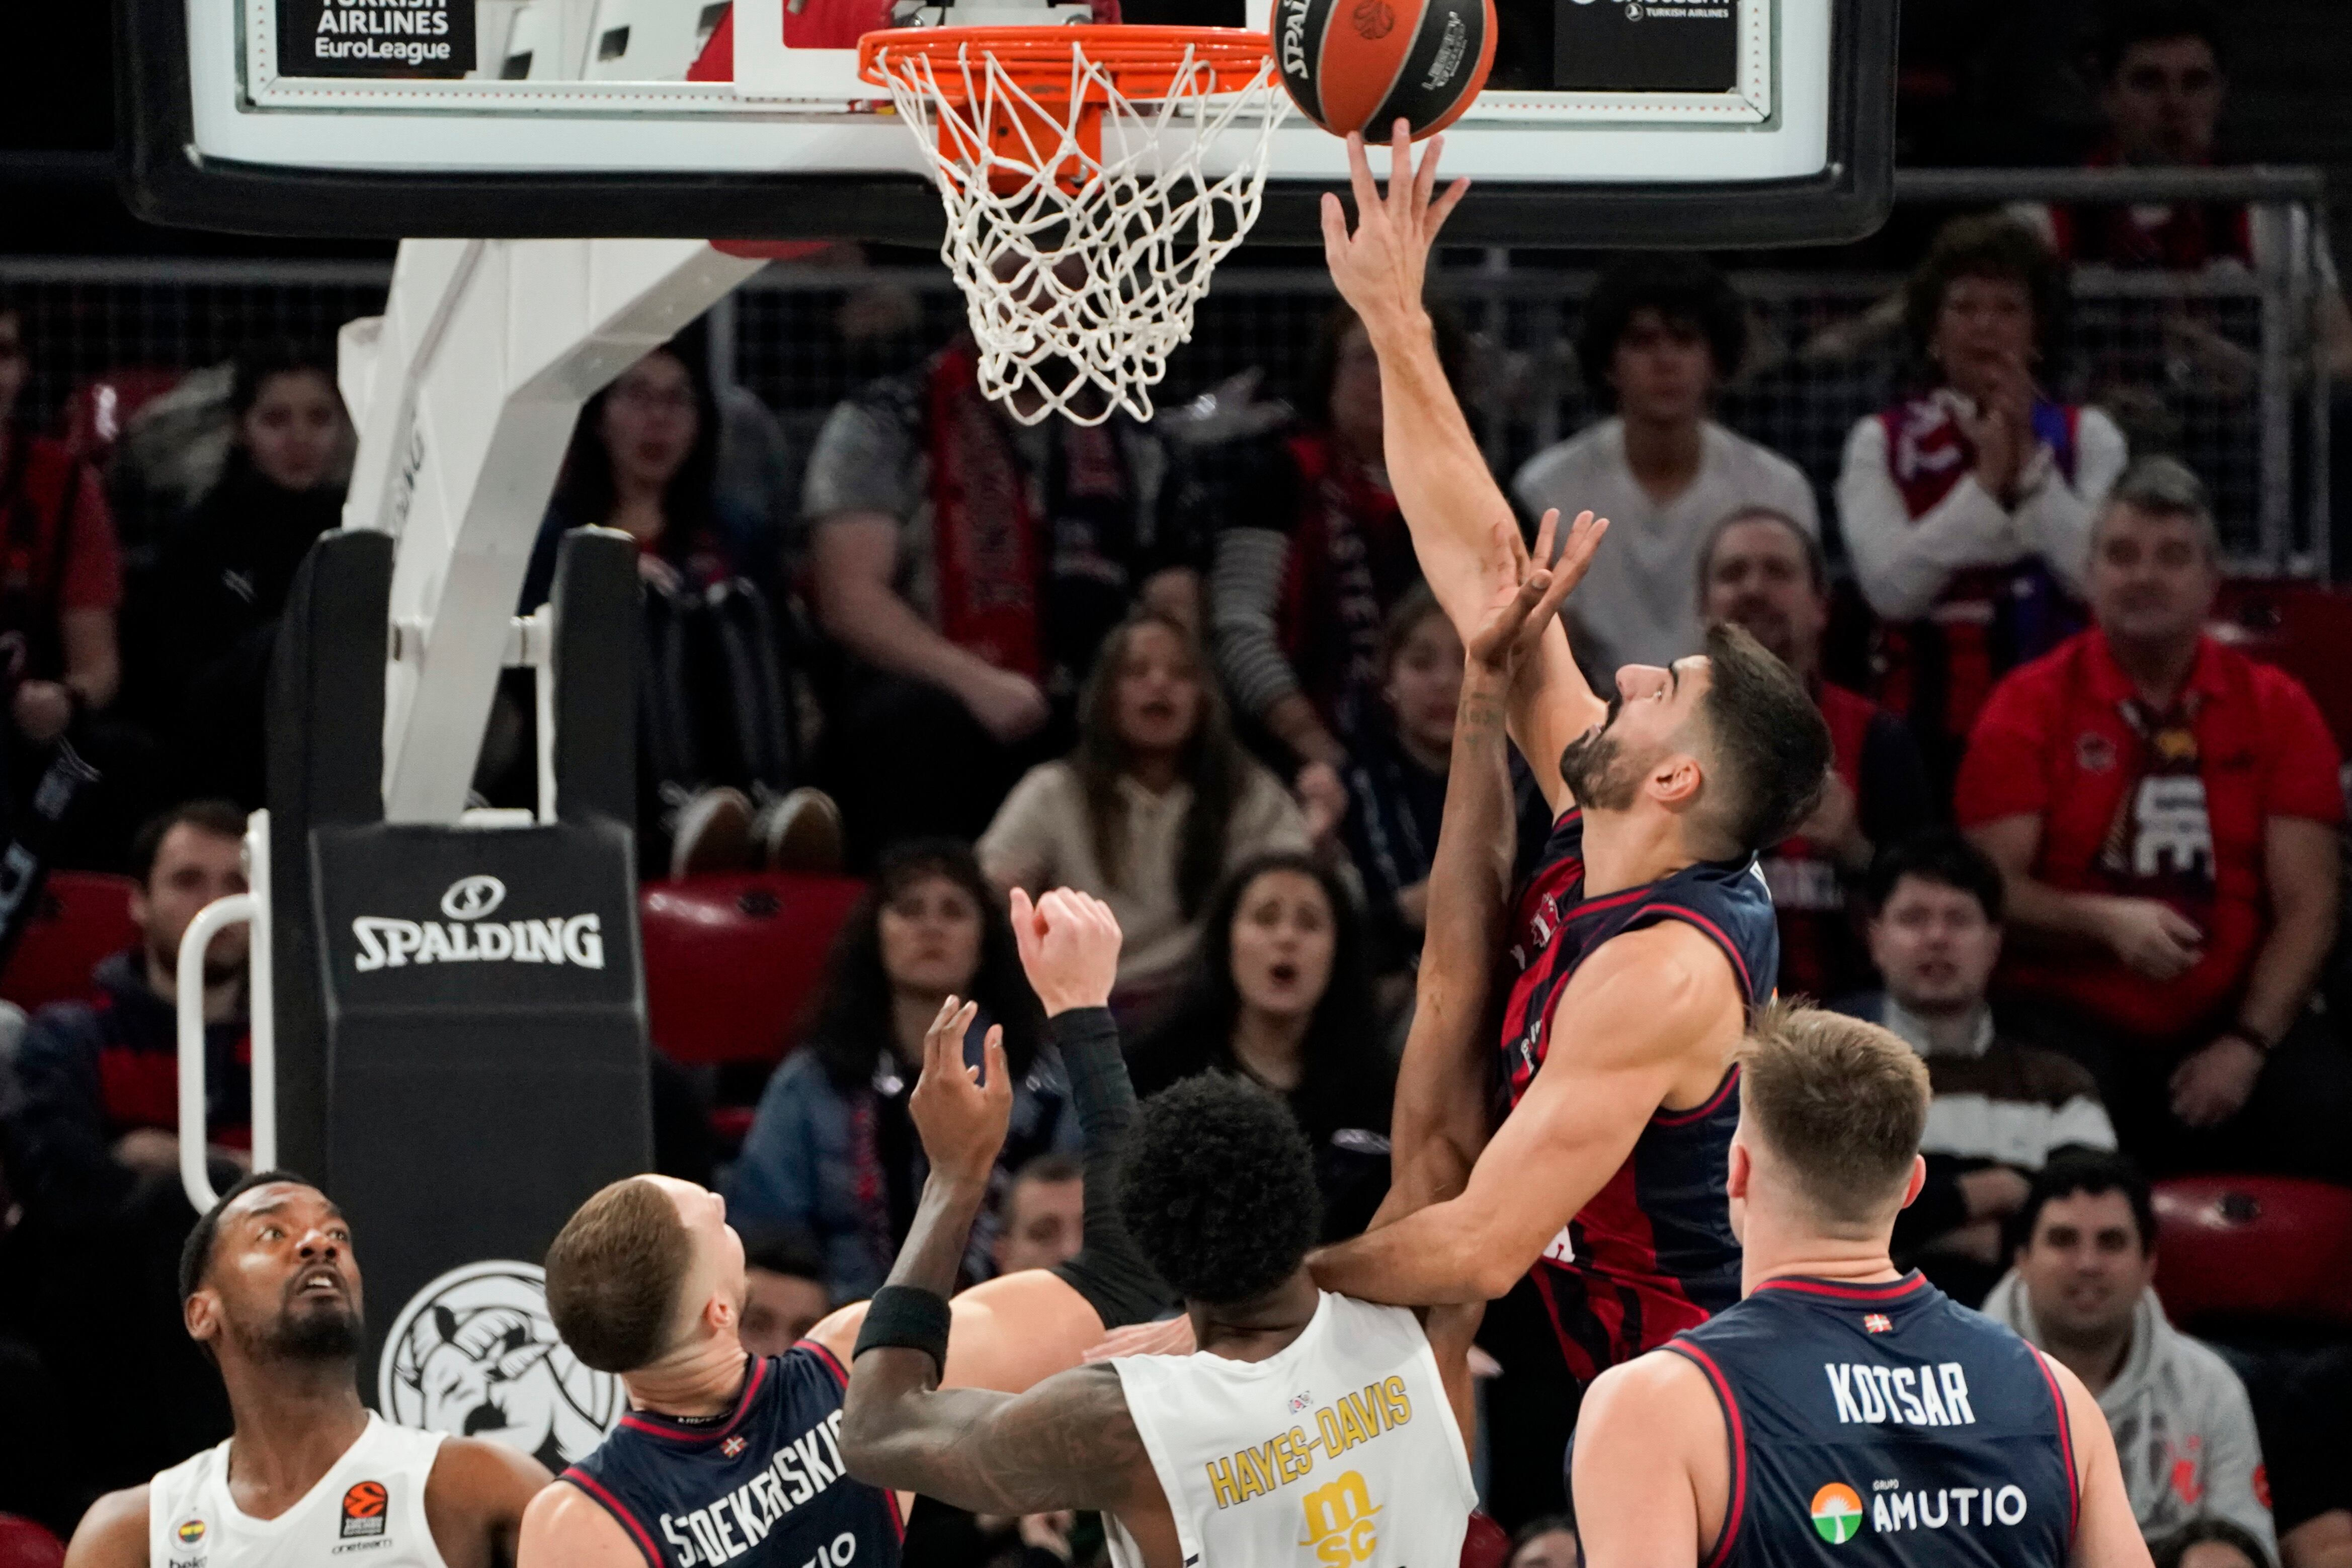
1363	65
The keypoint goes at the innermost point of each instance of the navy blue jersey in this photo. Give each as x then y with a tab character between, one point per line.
763	1486
1884	1424
1653	1253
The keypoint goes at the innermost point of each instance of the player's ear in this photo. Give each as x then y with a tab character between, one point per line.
201	1314
1743	1171
1676	780
1912	1187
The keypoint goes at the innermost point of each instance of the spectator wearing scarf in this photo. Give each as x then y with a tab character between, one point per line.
2164	809
970	565
1967	507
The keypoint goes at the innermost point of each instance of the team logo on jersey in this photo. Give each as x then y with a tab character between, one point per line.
191	1531
364	1510
1837	1513
1340	1523
732	1447
474	1353
1877	1322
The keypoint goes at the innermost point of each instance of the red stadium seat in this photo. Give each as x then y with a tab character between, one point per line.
2254	1249
83	917
2304	628
24	1545
100	409
732	962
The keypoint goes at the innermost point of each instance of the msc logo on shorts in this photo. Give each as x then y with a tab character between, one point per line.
1339	1521
1837	1513
363	1511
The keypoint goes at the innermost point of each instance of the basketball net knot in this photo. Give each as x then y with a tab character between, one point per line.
1083	221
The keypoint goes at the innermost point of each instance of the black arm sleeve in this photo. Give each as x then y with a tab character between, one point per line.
1108	1271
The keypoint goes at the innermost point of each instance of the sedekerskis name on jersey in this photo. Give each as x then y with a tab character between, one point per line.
1873	1396
723	1529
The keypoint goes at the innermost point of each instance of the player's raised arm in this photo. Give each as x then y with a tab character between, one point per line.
1449	497
1067	1443
1640	1001
1443	1099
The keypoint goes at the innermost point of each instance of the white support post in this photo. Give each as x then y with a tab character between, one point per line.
465	393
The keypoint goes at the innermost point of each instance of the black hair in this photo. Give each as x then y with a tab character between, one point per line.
1217	1187
1347	1078
1987	244
2092	1171
222	818
853	1028
1770	744
1212	763
1686	289
585	494
2130	23
2166	1551
1331	334
196	1253
1050	1167
1938	856
256	368
1536	1529
788	1251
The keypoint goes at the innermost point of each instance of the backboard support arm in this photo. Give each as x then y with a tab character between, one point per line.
465	393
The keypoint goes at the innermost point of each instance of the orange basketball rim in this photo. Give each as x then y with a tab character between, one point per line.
1056	70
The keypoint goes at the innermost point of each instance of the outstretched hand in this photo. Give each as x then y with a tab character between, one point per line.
1508	634
1070	944
959	1114
1379	268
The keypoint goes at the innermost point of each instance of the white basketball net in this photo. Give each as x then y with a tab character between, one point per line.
1080	286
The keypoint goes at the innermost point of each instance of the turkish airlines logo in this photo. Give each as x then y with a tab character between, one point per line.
467	935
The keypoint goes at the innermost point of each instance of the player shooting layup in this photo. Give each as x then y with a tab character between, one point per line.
1842	1412
1647	935
1306	1420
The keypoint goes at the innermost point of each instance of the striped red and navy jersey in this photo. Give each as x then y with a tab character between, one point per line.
1884	1424
762	1485
1653	1253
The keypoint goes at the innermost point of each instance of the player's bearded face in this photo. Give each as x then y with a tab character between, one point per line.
310	1323
1595	768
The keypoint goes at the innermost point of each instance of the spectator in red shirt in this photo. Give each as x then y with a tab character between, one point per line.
2163	810
60	576
1762	570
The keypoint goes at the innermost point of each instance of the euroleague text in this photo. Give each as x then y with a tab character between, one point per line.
722	1530
1284	1458
1873	1395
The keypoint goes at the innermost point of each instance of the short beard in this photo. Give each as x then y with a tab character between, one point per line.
308	1338
1592	767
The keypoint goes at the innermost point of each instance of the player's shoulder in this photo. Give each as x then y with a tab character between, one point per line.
565	1524
1677	965
474	1478
1650	1393
114	1533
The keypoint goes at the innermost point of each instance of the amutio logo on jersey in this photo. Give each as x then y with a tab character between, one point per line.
1837	1510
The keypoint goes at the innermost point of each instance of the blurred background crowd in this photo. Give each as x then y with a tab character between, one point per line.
2034	493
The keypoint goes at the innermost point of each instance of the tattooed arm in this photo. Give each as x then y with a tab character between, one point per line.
1069	1442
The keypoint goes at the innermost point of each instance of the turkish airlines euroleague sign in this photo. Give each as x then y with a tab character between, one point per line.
376	38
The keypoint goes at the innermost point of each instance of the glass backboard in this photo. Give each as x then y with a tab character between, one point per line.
1606	123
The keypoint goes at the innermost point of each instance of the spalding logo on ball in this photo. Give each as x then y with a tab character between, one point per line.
1363	65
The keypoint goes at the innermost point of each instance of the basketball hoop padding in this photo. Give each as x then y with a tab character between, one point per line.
1082	222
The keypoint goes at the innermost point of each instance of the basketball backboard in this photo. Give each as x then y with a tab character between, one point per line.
1607	122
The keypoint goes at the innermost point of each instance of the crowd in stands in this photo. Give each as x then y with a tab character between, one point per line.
2079	852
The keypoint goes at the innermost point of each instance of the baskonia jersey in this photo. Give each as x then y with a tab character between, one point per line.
1884	1424
762	1485
1340	1449
368	1508
1653	1253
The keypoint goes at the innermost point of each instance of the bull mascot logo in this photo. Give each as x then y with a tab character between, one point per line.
473	1354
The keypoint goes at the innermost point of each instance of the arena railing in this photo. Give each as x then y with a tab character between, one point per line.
2221	366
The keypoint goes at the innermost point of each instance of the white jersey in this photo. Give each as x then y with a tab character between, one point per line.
368	1510
1338	1452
